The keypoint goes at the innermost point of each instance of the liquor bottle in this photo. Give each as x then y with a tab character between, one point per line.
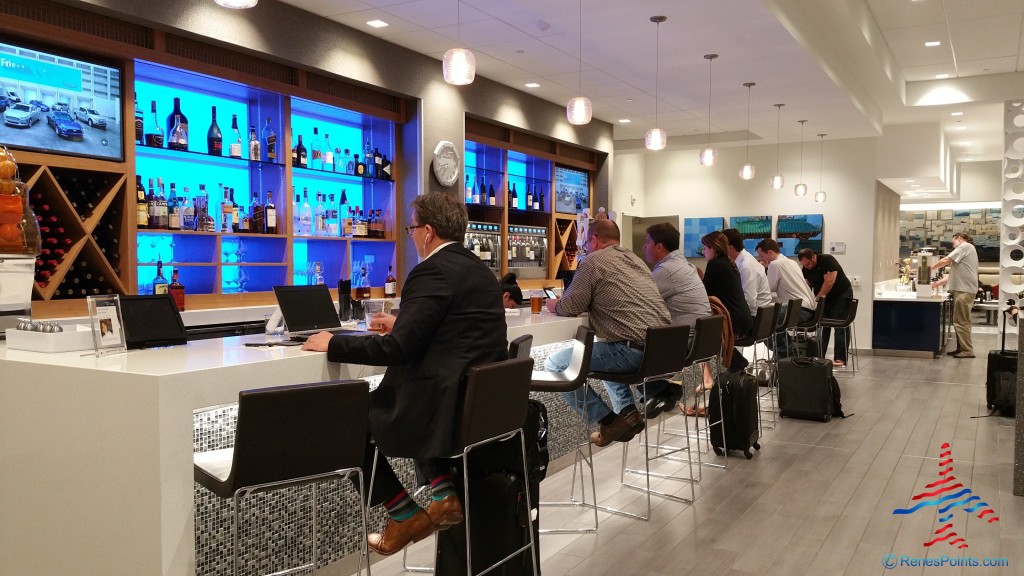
333	226
177	290
205	220
360	166
151	205
469	191
359	224
171	122
370	168
371	224
178	139
538	200
513	198
378	164
270	214
381	225
159	282
139	121
296	228
319	217
244	221
173	211
305	215
529	198
214	138
347	226
350	165
257	221
476	192
141	205
491	200
155	136
188	211
254	144
390	285
295	156
235	148
225	209
161	205
269	138
537	193
328	154
385	166
235	217
300	150
316	161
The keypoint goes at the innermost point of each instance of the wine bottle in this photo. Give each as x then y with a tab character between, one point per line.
390	285
529	197
538	201
155	136
214	138
254	144
490	194
270	214
269	138
179	136
513	198
141	205
257	220
139	121
316	162
235	148
300	150
171	122
159	282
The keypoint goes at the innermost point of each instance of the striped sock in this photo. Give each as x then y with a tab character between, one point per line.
442	487
402	507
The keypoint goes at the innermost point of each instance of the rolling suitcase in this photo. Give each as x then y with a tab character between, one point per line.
805	389
1001	378
739	413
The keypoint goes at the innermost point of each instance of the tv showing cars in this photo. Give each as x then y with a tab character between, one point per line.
572	190
58	104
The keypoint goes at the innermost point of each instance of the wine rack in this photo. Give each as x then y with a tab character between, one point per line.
566	245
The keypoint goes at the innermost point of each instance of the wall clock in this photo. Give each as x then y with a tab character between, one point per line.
446	163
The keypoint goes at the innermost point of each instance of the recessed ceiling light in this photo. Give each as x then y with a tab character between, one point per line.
910	180
941	76
956	114
532	85
377	23
624	120
915	185
629	99
933	43
968	159
960	128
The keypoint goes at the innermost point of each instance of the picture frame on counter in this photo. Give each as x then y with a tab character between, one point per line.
107	326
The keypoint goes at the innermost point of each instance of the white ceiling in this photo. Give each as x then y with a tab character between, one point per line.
843	66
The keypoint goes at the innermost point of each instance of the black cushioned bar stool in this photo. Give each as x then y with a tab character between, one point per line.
783	325
763	330
664	354
813	325
574	376
847	324
290	436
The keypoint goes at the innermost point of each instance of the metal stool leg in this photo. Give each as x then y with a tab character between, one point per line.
580	462
405	551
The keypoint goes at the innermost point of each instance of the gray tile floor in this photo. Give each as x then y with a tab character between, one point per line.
818	498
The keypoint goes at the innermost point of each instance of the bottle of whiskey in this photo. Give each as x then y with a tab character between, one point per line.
179	136
316	162
390	285
205	220
172	121
177	290
360	166
139	121
141	205
235	148
270	214
235	217
159	282
257	223
269	138
254	144
155	136
300	150
385	166
161	205
214	138
225	209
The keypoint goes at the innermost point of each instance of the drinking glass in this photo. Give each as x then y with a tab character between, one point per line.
372	308
536	301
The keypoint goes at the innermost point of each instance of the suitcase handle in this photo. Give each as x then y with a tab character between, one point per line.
801	361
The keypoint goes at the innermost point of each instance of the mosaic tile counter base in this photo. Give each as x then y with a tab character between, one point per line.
274	526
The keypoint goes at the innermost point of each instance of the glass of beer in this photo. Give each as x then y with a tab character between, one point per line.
536	301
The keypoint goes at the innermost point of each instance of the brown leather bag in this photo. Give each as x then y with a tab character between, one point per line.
719	309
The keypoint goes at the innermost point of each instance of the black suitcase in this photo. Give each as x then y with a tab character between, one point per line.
807	345
739	407
1001	378
805	389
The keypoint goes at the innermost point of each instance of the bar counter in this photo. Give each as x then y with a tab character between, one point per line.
96	453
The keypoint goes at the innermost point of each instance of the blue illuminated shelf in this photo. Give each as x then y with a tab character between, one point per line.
194	156
370	239
148	231
253	264
179	264
335	176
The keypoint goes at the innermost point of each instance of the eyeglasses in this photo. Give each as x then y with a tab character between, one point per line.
409	229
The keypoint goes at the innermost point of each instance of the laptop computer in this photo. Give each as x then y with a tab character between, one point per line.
151	320
308	310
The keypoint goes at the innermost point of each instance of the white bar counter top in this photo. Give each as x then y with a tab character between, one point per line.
96	453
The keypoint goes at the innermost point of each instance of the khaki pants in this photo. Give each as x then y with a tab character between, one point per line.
962	302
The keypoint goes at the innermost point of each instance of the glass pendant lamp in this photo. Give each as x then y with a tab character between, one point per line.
747	171
778	181
579	110
236	4
801	189
656	138
708	156
459	64
819	196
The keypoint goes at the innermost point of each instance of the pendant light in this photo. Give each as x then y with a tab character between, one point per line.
236	4
656	138
819	196
459	64
708	156
747	171
801	189
579	110
778	181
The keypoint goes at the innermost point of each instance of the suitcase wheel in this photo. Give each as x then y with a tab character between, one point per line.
718	451
748	454
756	446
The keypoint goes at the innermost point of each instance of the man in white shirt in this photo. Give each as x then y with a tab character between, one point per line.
752	276
962	282
786	280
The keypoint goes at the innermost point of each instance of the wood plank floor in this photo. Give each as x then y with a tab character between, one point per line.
818	498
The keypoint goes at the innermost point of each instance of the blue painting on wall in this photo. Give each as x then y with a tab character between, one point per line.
694	229
800	231
753	229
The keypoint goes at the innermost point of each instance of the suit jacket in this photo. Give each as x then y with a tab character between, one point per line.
451	319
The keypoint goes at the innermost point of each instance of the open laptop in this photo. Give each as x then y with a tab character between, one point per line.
308	310
151	320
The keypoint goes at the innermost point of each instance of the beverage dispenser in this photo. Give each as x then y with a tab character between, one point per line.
19	245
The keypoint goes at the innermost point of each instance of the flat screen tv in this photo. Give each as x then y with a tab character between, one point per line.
59	104
572	190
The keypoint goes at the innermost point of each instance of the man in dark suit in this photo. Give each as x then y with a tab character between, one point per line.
451	320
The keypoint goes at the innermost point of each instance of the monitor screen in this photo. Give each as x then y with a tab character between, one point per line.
307	307
572	190
57	104
151	320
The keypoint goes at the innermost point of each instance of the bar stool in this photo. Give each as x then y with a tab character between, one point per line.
764	329
814	324
706	347
570	380
493	410
664	354
520	347
290	436
789	321
847	324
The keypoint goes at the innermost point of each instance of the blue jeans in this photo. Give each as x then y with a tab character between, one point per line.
781	341
607	357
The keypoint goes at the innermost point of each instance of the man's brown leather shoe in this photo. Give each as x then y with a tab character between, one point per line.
446	512
621	429
397	535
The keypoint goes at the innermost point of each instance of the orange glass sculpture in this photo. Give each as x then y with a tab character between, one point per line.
19	230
